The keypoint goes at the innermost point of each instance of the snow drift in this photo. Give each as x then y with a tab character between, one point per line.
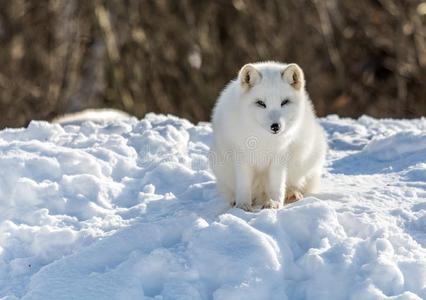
129	210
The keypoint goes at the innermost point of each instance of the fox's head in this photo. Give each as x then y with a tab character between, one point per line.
272	94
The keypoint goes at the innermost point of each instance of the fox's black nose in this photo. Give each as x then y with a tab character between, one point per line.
275	127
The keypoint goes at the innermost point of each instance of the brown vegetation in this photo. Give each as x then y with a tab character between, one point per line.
56	56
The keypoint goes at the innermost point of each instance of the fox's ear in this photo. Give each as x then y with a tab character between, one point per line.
249	76
293	74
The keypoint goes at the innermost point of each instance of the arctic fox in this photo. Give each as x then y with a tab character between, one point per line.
268	147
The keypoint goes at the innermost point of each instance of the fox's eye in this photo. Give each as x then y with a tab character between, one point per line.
260	103
284	102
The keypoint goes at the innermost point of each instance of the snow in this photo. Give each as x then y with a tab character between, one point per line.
128	209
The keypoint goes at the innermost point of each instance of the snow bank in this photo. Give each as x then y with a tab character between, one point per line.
128	209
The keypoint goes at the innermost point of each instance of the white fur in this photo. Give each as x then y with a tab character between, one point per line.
252	165
94	115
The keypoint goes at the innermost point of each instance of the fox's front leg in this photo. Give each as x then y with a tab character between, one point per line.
277	175
243	182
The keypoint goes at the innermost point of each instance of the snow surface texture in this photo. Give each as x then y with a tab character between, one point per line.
129	210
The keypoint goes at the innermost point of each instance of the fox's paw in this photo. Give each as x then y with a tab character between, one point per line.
272	204
293	197
244	206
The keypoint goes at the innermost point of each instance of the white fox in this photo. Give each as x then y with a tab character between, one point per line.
268	146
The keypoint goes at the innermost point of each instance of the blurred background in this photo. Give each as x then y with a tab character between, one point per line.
59	56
